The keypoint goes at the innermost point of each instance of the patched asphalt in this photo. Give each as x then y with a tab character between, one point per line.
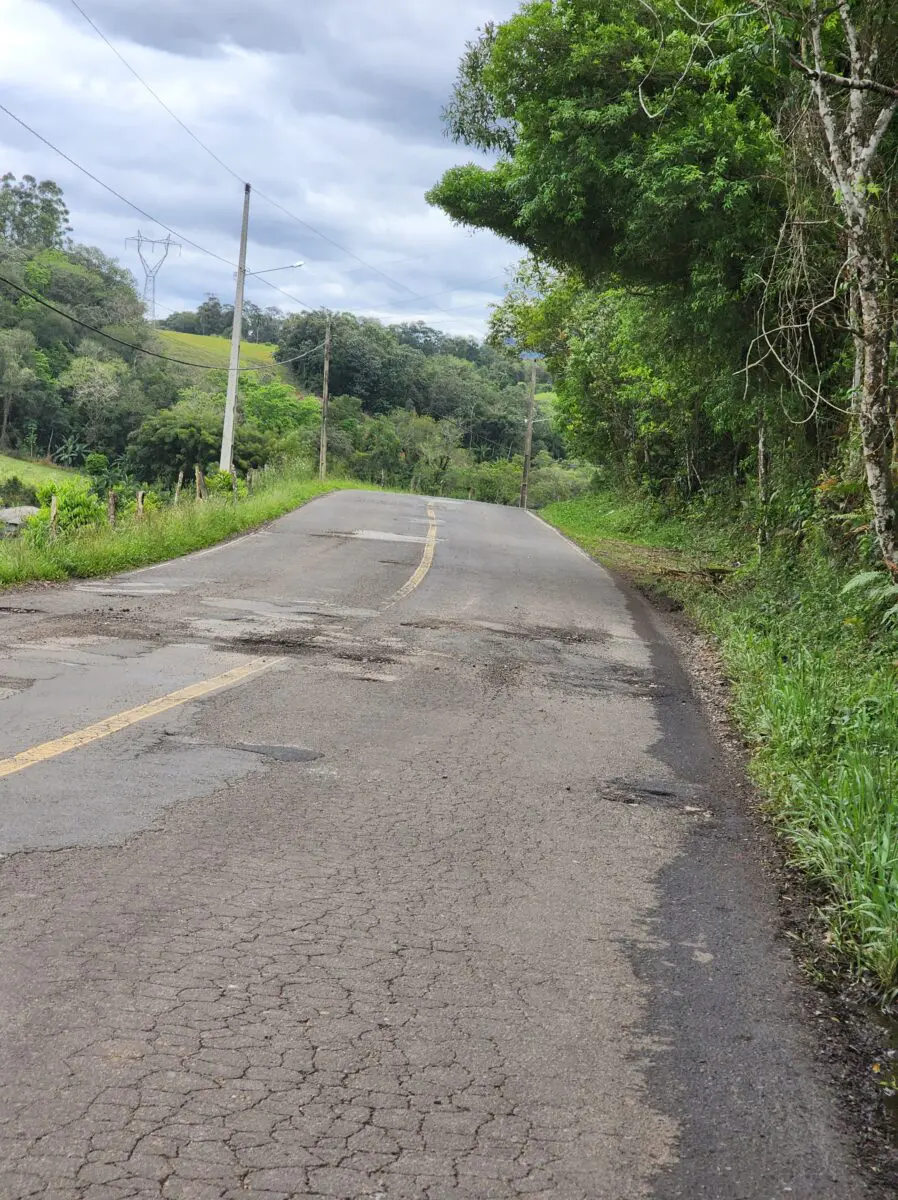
459	898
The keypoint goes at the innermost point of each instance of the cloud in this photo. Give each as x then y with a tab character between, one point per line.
330	107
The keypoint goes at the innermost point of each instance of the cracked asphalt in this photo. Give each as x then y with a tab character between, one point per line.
457	898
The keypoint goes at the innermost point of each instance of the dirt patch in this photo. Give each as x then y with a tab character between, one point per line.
526	633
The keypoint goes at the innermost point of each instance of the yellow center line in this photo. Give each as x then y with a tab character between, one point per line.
102	729
426	561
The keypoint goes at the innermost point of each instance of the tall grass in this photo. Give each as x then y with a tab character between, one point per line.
162	534
816	691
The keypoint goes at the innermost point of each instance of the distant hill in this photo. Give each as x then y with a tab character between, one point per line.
214	351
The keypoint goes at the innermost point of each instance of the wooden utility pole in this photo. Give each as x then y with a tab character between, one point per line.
325	398
528	440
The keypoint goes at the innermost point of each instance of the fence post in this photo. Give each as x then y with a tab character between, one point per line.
141	496
54	515
180	484
201	492
112	506
234	492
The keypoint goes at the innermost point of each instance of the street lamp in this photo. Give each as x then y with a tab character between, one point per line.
270	270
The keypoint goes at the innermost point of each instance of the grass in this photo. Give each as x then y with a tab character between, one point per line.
32	473
815	687
163	534
214	351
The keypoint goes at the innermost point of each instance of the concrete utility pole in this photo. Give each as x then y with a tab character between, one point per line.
325	398
528	441
227	439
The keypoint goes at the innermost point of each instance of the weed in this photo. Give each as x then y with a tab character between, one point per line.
814	678
161	534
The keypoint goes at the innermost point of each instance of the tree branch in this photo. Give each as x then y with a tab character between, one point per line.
862	85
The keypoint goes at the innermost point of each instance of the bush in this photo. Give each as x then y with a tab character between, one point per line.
77	507
13	492
219	483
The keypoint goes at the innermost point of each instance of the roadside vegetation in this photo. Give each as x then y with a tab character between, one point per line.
707	205
28	473
815	687
87	546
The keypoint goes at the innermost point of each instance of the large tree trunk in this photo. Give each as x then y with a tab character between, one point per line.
874	408
4	425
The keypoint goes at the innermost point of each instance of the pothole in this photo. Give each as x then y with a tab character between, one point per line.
279	753
12	683
617	791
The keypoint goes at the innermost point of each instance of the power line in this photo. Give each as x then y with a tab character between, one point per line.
130	203
236	175
413	295
140	79
141	349
446	292
118	195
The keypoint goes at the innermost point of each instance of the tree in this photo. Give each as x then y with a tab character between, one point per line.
95	387
17	371
566	92
33	215
276	407
844	65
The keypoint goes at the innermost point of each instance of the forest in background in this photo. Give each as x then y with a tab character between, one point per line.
85	381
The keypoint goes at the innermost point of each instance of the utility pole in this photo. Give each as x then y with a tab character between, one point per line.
227	439
528	440
325	398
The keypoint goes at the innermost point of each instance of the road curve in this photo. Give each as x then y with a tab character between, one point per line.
427	880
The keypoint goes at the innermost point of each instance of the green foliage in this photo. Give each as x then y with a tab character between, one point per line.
815	693
419	369
220	483
14	492
174	440
77	506
275	407
165	532
588	179
32	215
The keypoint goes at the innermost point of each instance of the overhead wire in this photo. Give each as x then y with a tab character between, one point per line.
142	349
140	79
236	175
108	187
137	208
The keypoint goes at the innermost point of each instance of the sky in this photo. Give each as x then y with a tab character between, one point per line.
329	107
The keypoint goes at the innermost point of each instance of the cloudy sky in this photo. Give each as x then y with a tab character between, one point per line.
330	107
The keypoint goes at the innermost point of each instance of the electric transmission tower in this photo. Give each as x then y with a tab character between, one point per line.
152	259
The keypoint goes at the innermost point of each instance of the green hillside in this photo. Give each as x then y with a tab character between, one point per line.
214	351
30	472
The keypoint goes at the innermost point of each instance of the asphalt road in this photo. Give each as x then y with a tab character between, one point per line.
447	892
